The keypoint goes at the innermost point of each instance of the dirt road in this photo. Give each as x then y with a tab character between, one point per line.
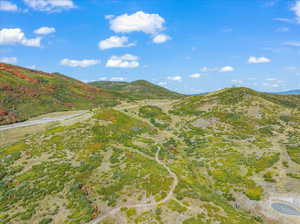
144	205
39	121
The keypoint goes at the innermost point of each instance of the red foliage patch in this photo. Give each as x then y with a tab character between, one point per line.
10	69
28	91
96	211
3	112
50	88
8	117
129	155
87	189
69	105
3	86
110	119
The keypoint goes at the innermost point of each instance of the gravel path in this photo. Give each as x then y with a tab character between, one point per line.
144	205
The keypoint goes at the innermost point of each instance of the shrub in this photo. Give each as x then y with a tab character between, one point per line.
254	193
294	153
268	176
45	221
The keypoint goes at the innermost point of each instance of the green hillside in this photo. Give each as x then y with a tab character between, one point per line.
232	97
139	89
216	158
25	93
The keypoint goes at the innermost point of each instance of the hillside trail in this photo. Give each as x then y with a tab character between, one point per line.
144	205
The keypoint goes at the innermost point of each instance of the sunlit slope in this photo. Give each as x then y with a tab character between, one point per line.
111	162
233	97
248	144
139	89
216	158
26	93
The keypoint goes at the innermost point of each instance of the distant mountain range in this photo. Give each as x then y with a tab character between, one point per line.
289	92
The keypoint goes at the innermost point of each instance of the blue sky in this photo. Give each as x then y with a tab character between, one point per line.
188	46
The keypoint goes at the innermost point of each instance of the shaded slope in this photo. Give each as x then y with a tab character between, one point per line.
26	93
139	89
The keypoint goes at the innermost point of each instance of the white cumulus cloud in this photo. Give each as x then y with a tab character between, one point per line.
34	42
258	60
195	76
9	60
207	69
125	61
8	6
286	20
292	43
113	42
109	17
216	69
161	38
175	78
79	63
139	21
282	30
44	30
11	36
296	9
226	69
50	5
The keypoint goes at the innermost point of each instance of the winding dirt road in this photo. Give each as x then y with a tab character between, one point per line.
144	205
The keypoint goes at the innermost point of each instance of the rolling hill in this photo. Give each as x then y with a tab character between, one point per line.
139	89
25	93
224	157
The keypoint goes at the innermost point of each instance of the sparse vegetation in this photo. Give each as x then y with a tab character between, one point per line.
78	172
25	93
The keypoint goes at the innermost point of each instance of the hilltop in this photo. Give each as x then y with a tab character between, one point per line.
234	96
139	89
224	157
